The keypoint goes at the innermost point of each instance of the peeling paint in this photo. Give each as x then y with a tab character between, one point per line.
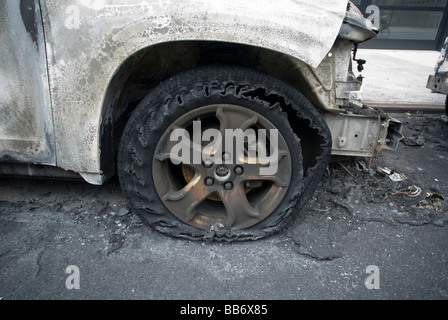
26	132
84	60
87	41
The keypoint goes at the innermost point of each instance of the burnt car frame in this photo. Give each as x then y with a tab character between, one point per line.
438	82
89	88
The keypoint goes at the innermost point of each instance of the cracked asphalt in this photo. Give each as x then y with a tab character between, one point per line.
357	218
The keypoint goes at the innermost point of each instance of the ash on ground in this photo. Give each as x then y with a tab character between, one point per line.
406	186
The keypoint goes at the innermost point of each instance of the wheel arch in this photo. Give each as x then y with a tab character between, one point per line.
210	86
145	69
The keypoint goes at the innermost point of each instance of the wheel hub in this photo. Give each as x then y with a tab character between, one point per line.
222	173
233	193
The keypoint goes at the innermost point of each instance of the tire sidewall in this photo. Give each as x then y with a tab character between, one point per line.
173	99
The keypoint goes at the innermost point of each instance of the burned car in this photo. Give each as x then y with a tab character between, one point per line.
219	117
438	82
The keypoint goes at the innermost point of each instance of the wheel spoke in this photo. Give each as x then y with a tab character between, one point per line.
253	174
189	197
237	206
234	123
255	170
234	119
169	150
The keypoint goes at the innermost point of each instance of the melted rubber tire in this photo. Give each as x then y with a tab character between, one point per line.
446	106
192	89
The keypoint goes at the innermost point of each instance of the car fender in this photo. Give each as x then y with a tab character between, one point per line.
88	40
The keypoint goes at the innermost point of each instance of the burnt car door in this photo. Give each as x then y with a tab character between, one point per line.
26	126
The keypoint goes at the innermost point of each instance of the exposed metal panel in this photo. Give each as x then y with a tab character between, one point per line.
89	40
353	135
26	129
362	135
439	81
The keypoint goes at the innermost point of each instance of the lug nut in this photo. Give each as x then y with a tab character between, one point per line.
239	170
228	185
208	163
222	171
226	156
209	181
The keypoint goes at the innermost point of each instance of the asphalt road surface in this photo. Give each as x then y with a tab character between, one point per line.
360	237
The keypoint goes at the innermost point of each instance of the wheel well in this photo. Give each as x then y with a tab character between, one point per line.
147	68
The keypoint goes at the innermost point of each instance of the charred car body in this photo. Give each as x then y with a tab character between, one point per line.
438	82
94	88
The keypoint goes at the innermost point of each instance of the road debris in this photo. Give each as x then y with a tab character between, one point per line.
345	168
397	177
415	140
394	176
384	171
411	191
432	201
362	167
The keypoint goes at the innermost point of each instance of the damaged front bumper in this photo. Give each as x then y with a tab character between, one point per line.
364	133
356	129
438	82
